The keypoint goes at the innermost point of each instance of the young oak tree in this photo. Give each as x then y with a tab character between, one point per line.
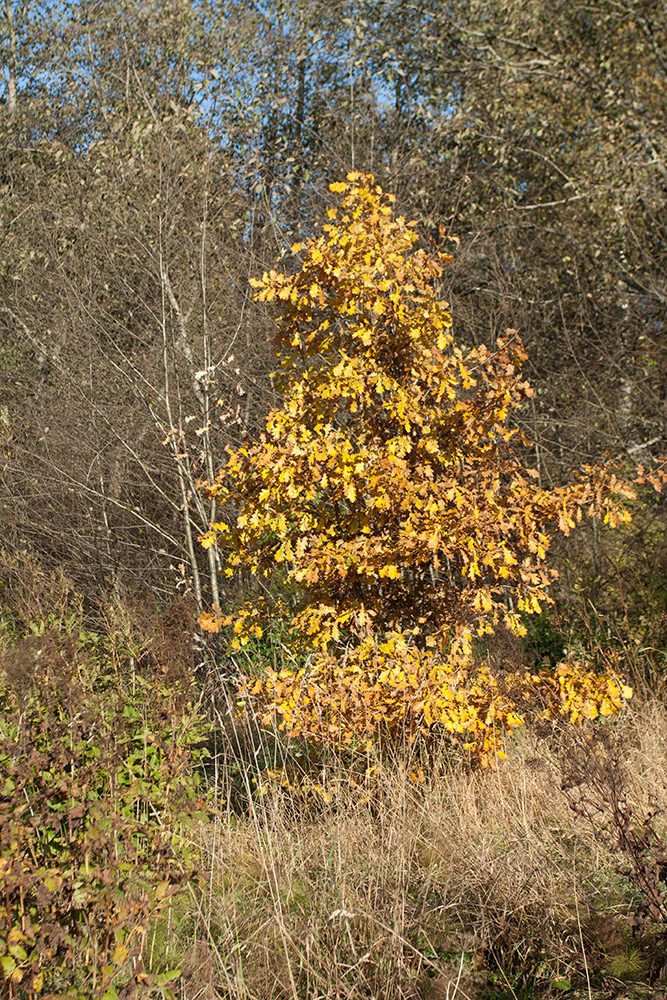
388	491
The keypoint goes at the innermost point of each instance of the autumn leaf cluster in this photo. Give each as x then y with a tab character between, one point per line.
390	495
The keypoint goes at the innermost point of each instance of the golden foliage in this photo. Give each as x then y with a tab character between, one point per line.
389	491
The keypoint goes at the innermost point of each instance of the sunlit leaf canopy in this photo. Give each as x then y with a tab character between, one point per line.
386	486
388	494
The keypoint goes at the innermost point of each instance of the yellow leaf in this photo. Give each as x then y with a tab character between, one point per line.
120	954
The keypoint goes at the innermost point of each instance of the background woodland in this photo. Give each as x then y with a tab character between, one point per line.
154	158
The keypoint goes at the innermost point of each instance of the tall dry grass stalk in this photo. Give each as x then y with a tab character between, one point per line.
463	885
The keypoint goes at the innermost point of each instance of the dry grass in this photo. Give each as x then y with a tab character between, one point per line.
475	886
465	885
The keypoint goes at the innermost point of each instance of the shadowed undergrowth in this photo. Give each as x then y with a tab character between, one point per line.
149	852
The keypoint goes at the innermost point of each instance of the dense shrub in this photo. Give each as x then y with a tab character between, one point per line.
98	789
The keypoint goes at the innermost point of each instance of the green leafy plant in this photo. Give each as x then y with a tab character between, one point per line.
99	786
